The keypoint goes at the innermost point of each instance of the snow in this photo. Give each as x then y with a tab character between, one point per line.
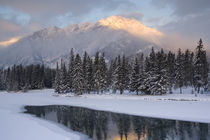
51	44
19	126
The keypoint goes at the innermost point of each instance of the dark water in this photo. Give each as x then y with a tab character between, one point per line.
100	125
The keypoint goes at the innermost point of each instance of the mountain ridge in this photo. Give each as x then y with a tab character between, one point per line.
48	45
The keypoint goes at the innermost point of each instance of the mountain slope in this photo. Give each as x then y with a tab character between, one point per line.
114	35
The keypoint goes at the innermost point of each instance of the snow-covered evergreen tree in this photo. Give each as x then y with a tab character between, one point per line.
188	68
118	76
179	72
78	80
57	79
63	82
160	81
171	70
150	73
89	75
84	69
103	73
96	71
200	67
126	73
134	80
112	75
1	79
69	79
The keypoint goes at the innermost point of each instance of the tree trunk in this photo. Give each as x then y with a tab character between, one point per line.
170	90
121	91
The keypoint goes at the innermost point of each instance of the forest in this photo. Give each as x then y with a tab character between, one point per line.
155	74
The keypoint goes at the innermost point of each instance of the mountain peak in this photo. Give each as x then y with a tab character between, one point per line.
132	26
117	21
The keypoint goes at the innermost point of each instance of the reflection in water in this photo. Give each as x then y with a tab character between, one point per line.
100	125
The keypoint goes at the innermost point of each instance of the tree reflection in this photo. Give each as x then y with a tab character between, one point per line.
95	124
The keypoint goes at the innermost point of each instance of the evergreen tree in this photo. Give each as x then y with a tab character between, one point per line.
57	79
63	82
84	69
96	71
150	75
171	70
35	77
126	74
188	68
179	72
200	67
160	82
1	79
135	81
118	82
111	75
103	73
78	80
89	75
41	77
70	71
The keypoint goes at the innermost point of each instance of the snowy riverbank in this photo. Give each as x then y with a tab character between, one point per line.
19	126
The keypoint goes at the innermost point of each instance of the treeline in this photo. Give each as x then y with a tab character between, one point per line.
17	78
155	74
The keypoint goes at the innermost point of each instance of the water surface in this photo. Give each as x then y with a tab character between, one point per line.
101	125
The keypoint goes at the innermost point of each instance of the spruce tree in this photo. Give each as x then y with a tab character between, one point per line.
78	80
179	72
109	74
200	67
160	82
118	76
63	74
70	71
57	79
1	79
150	74
135	81
171	70
84	69
96	70
89	75
112	75
125	73
188	68
103	73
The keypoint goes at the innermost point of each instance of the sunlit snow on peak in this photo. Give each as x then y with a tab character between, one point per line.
132	26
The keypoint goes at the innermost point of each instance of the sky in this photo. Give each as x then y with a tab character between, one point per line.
187	20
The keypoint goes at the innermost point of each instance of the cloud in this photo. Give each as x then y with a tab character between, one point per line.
9	42
7	13
58	12
136	15
191	19
57	7
184	7
8	29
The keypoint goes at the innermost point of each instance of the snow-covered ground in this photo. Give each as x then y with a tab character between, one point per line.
16	125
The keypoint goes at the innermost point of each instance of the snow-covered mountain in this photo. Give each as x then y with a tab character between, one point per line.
114	35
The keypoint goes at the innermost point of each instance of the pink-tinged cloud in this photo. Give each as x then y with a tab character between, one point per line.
9	42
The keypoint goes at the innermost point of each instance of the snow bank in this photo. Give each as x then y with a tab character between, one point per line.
19	126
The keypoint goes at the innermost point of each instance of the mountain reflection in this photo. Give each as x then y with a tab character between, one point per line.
101	125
